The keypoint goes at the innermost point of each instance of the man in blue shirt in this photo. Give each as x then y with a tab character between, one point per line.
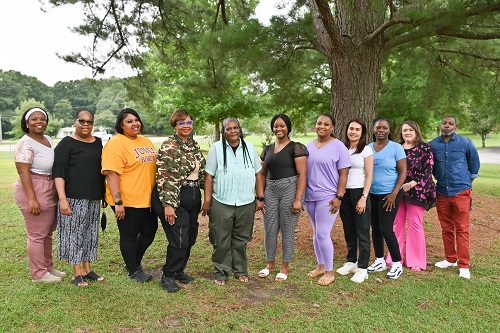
456	165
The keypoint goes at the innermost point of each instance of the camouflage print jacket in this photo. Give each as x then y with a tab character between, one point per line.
176	161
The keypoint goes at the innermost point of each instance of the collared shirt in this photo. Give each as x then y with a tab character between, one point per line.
456	163
234	186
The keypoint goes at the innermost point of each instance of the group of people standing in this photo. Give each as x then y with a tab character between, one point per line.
378	185
383	186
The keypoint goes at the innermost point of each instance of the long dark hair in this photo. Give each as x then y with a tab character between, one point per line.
246	155
362	140
123	113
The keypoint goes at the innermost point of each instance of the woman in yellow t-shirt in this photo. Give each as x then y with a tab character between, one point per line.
129	164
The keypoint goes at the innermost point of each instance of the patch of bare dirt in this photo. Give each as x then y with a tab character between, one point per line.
485	230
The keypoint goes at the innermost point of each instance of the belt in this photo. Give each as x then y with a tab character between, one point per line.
190	183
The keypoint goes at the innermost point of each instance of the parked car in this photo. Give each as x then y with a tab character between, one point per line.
105	136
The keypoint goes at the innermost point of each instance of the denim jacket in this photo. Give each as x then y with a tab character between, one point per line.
456	163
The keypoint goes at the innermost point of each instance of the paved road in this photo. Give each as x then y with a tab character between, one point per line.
490	155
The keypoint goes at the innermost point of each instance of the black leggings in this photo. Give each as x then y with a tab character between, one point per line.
137	232
382	226
183	233
356	227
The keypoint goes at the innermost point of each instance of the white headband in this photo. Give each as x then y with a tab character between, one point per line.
31	111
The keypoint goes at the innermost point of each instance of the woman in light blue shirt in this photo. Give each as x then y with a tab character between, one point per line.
389	174
230	186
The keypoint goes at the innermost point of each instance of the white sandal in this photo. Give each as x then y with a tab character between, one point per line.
263	273
281	277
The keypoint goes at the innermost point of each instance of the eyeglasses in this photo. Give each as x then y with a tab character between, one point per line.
229	129
83	122
184	123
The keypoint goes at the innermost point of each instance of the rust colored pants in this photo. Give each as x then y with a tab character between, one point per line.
454	215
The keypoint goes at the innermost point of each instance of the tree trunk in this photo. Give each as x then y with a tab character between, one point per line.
355	65
483	139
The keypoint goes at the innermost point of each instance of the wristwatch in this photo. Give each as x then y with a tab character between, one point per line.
261	199
339	197
365	195
118	203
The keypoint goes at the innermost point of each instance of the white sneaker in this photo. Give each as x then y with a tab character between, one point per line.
464	273
395	272
57	273
349	267
377	266
48	278
360	275
445	264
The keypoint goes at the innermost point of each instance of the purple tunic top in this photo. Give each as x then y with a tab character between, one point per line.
323	167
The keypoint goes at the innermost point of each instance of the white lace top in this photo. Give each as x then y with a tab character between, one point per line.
38	155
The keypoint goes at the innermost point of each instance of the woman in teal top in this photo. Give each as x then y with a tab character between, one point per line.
389	174
230	186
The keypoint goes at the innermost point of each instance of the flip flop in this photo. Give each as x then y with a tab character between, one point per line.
79	281
325	281
263	273
315	273
94	276
281	277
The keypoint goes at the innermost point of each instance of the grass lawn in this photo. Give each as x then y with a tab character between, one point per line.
436	300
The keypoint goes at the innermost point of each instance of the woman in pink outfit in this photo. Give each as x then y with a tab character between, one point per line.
419	195
35	193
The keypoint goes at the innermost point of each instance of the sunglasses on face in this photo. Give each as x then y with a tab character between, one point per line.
183	123
83	122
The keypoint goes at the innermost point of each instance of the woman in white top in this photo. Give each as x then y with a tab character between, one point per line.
355	207
35	193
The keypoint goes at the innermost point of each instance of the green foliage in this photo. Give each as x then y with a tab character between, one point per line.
104	119
64	112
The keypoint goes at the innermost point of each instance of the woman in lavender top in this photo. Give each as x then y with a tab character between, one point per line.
327	169
419	195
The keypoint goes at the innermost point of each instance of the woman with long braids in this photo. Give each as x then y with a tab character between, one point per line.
230	185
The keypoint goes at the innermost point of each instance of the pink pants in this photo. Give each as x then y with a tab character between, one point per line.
39	228
454	215
416	253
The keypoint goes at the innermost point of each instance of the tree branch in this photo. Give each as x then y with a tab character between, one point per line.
447	64
326	16
468	35
437	25
468	54
386	26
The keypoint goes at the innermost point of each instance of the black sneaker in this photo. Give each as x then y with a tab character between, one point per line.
140	276
168	283
183	278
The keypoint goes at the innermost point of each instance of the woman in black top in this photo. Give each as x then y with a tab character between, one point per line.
80	187
284	168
